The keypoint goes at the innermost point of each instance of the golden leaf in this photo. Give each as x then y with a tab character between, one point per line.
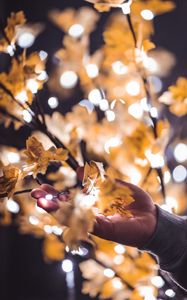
53	249
93	175
8	180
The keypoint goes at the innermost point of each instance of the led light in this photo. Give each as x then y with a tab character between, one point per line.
22	97
12	206
119	68
26	39
134	175
42	76
43	55
53	102
49	197
76	30
95	96
147	14
150	64
135	110
125	7
33	220
133	88
13	157
157	281
57	230
67	265
111	143
10	50
110	115
68	79
32	85
27	116
180	152
109	273
48	229
170	293
116	282
92	70
179	173
119	249
103	105
154	112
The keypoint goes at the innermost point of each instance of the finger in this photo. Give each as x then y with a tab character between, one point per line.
49	189
104	228
47	205
38	193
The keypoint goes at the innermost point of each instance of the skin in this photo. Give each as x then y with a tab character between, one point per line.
134	231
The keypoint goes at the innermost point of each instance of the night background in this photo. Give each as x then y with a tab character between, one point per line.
24	275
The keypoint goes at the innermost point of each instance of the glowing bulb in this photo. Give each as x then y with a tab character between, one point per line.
125	7
109	273
136	110
53	102
95	96
147	14
151	64
111	143
119	249
42	76
167	177
170	293
32	85
154	112
157	281
171	202
116	282
22	97
179	173
26	39
10	50
156	160
33	220
119	68
48	229
68	79
76	30
49	197
27	116
57	230
43	55
67	265
12	206
110	115
180	152
103	105
133	88
144	104
92	70
13	157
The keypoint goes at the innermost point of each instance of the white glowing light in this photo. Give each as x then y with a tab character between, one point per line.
126	7
13	157
109	273
12	206
135	110
179	173
84	200
147	291
43	55
147	14
119	249
150	64
92	70
88	105
76	30
33	220
42	76
26	39
156	83
110	115
133	88
171	202
166	208
80	251
135	175
154	112
10	50
68	79
167	177
48	229
180	152
22	97
95	96
119	68
118	259
103	105
49	197
32	85
57	230
111	143
67	265
53	102
157	281
170	293
26	116
116	282
144	104
156	160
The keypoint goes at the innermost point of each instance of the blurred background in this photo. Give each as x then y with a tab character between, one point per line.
23	273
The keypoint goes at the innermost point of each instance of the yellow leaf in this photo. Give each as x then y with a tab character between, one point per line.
8	180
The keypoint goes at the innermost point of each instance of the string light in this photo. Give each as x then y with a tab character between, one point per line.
179	173
88	105
156	160
147	14
126	7
27	116
157	281
109	273
135	110
33	220
53	102
13	157
76	30
95	96
48	229
112	143
103	105
32	85
119	68
92	70
110	115
133	88
180	152
119	249
170	293
67	265
22	97
26	39
12	206
116	282
68	79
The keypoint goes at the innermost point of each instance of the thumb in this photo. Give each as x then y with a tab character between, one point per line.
103	227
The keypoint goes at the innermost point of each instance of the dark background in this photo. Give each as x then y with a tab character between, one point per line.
23	273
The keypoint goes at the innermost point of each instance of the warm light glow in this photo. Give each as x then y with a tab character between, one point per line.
26	39
32	85
95	96
13	157
119	68
103	105
179	173
76	30
116	282
112	143
27	116
135	110
12	206
133	88
109	273
144	104
180	152
147	14
119	249
68	79
92	70
53	102
67	265
110	115
49	197
134	175
42	76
